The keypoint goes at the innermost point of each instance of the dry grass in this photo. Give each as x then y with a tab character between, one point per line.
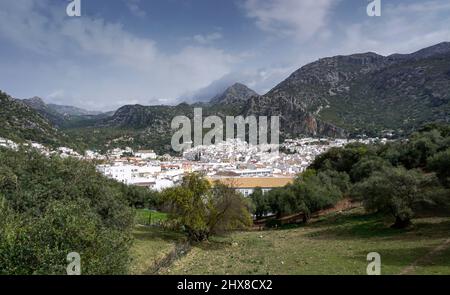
336	244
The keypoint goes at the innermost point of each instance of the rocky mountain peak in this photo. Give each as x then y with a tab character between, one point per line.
238	92
35	102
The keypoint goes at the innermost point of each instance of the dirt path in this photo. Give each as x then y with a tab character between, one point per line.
425	259
180	250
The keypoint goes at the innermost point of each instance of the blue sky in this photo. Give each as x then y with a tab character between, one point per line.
165	51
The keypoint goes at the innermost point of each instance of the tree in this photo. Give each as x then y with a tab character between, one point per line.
419	148
260	202
440	163
340	180
8	180
342	159
395	191
320	191
366	166
230	210
284	201
204	210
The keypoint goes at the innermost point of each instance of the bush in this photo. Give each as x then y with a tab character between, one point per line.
30	245
54	206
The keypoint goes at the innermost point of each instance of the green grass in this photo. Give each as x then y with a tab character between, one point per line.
147	217
151	244
337	244
440	264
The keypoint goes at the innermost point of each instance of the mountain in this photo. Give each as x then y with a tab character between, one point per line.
230	102
236	93
45	110
338	96
22	123
150	126
362	93
72	111
60	115
357	94
138	116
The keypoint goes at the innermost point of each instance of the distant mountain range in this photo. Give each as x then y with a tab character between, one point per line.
59	115
19	122
336	96
362	93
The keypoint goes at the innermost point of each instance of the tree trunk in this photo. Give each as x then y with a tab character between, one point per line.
401	223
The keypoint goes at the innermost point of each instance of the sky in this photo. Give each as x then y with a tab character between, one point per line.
152	52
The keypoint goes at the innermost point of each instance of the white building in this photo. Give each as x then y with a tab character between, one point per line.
247	185
146	154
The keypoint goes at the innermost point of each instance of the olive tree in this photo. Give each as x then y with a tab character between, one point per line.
203	209
260	203
395	191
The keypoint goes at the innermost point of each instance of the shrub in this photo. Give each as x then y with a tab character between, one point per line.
53	206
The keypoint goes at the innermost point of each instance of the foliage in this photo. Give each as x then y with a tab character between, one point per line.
230	210
284	201
395	191
53	206
140	197
341	159
203	209
21	123
260	203
31	245
310	193
366	166
440	163
396	178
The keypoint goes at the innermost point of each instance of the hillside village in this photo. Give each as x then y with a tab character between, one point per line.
234	162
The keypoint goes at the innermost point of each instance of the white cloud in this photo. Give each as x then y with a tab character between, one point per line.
120	64
207	39
94	63
302	19
403	28
134	7
260	80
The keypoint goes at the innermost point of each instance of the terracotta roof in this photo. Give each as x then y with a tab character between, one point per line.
253	182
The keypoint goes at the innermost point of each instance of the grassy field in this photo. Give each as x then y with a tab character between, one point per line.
336	244
150	245
146	217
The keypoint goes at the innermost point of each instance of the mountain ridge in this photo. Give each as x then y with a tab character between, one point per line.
339	96
22	123
59	115
361	93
